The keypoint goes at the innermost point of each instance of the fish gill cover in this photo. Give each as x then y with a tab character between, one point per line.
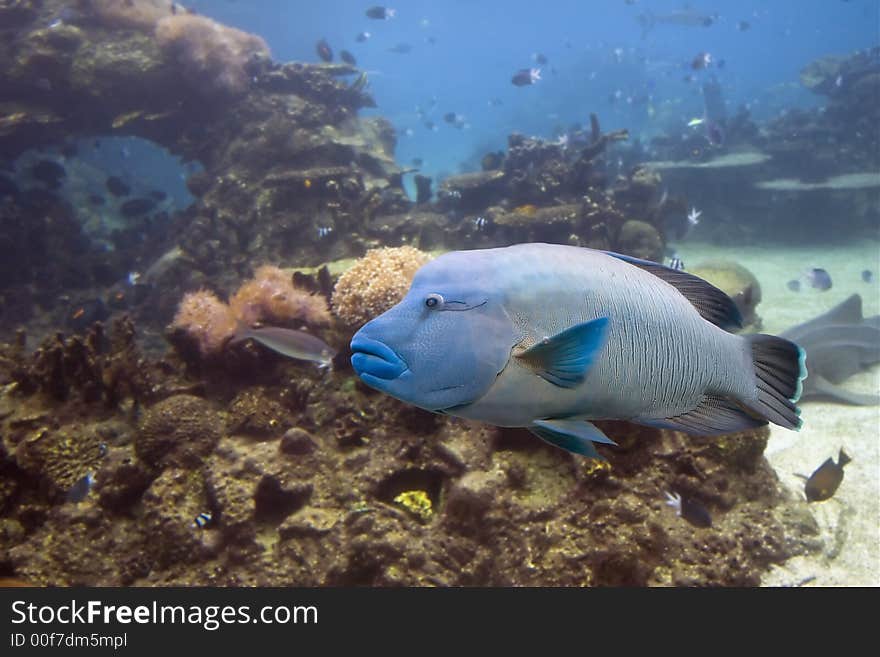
175	176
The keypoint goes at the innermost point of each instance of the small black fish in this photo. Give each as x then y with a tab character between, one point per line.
450	117
742	26
868	276
540	59
689	509
347	57
401	48
702	60
80	490
362	36
794	285
417	162
325	52
823	483
49	173
526	76
380	13
818	278
137	206
117	187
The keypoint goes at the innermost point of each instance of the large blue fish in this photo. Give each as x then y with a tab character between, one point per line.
549	337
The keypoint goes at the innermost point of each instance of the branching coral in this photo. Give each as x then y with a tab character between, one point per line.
214	56
375	283
270	296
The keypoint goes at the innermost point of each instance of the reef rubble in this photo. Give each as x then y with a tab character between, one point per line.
311	479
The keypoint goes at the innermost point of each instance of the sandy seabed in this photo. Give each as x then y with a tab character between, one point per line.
849	522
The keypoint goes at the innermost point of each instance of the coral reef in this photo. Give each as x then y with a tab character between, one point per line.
776	168
375	283
270	296
299	477
178	431
213	56
420	500
207	320
641	240
135	14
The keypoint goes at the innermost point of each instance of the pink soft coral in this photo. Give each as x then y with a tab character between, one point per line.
270	296
214	56
206	319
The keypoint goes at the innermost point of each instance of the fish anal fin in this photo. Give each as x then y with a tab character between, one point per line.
565	358
713	416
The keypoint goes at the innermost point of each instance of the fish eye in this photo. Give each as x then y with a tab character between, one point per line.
434	301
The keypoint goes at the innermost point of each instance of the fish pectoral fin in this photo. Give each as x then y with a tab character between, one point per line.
575	436
565	358
713	416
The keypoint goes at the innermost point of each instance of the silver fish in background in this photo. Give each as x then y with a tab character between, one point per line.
681	18
549	337
289	342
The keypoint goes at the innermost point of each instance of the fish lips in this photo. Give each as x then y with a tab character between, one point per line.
375	362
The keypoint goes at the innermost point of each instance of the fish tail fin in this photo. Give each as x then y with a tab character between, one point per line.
780	370
843	458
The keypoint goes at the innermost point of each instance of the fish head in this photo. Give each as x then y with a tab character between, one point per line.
444	344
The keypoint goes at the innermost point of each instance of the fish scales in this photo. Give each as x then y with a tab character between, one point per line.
652	354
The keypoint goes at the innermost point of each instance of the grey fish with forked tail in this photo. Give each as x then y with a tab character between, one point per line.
825	481
549	337
289	342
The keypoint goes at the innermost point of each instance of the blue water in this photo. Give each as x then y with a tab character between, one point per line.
595	51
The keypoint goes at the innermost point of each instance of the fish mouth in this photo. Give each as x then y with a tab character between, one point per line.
373	360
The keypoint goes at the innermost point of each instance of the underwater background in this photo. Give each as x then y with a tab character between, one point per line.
200	204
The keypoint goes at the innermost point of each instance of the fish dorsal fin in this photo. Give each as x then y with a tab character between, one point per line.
564	358
712	304
848	310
